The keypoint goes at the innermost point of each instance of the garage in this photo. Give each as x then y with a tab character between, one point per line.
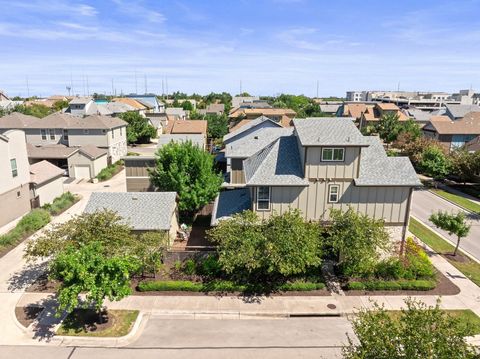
82	172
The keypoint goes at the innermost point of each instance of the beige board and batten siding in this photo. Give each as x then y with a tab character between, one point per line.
388	203
316	168
136	171
79	159
236	171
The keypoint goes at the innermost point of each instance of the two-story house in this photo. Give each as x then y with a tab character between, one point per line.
316	165
15	176
82	106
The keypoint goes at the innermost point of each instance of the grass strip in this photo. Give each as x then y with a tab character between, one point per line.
458	200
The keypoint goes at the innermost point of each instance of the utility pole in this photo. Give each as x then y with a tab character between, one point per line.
71	84
136	85
146	90
240	94
112	87
28	88
317	87
88	87
163	89
166	85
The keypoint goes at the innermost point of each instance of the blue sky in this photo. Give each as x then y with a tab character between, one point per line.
272	46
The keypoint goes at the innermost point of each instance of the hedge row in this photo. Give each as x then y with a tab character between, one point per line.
421	285
220	286
30	223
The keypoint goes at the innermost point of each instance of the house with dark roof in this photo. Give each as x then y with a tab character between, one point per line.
314	166
142	211
453	133
458	111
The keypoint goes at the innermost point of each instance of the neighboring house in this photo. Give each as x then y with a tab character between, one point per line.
82	106
114	108
46	183
78	162
242	116
354	110
177	113
159	121
255	104
453	133
149	100
329	108
143	212
213	109
356	96
142	108
420	117
456	112
237	101
15	176
183	130
316	165
104	132
9	105
372	115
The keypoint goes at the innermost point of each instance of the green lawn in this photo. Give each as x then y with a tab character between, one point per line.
469	268
75	324
459	200
465	317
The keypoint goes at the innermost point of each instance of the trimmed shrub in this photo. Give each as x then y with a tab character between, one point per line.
209	266
110	171
165	286
420	285
301	286
60	204
189	267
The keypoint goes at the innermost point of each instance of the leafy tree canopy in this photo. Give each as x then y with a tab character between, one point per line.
35	109
465	164
435	163
452	223
217	125
417	332
189	171
139	130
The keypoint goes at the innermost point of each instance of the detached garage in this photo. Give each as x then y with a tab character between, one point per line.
46	182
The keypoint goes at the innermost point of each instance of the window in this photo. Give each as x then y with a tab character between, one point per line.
13	165
65	135
263	198
52	133
333	154
333	190
19	194
44	134
104	131
113	133
85	132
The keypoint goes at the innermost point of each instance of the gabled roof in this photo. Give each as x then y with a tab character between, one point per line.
252	143
459	111
93	152
468	125
328	131
247	126
17	120
387	106
195	138
187	126
131	102
146	211
65	120
44	171
80	100
278	164
112	108
377	169
50	151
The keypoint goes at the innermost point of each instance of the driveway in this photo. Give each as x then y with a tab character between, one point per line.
424	203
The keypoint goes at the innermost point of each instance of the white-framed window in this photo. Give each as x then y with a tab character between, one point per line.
333	193
44	134
263	198
65	135
13	166
333	154
52	133
85	132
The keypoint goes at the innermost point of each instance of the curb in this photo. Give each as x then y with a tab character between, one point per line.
454	203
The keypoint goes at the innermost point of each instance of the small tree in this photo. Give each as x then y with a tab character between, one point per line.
414	148
189	171
139	130
217	126
357	240
86	270
388	127
434	163
417	332
187	105
452	223
60	104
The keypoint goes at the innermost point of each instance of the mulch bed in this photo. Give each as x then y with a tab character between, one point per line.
444	287
43	285
27	315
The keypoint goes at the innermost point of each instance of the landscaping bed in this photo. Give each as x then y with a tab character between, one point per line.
469	267
43	285
110	171
61	203
27	315
87	323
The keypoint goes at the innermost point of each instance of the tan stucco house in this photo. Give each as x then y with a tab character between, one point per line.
316	165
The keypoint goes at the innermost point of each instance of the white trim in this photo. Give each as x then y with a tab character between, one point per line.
264	200
333	151
330	186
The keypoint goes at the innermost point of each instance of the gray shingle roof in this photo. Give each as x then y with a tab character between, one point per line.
17	120
80	100
459	111
145	211
50	151
278	164
249	126
328	131
229	203
197	139
252	143
377	169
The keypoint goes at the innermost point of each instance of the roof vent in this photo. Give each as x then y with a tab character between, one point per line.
348	139
134	198
256	137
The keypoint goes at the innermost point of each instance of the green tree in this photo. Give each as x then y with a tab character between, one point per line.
388	127
465	164
34	109
452	223
60	104
87	270
250	249
435	163
217	125
189	171
411	128
187	105
417	332
139	130
357	241
148	249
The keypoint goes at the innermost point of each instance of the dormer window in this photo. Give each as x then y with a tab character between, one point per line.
333	154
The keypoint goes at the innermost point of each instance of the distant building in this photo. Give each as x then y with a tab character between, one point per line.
82	106
213	109
237	101
150	99
356	96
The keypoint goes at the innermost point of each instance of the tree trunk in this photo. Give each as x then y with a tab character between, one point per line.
456	247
